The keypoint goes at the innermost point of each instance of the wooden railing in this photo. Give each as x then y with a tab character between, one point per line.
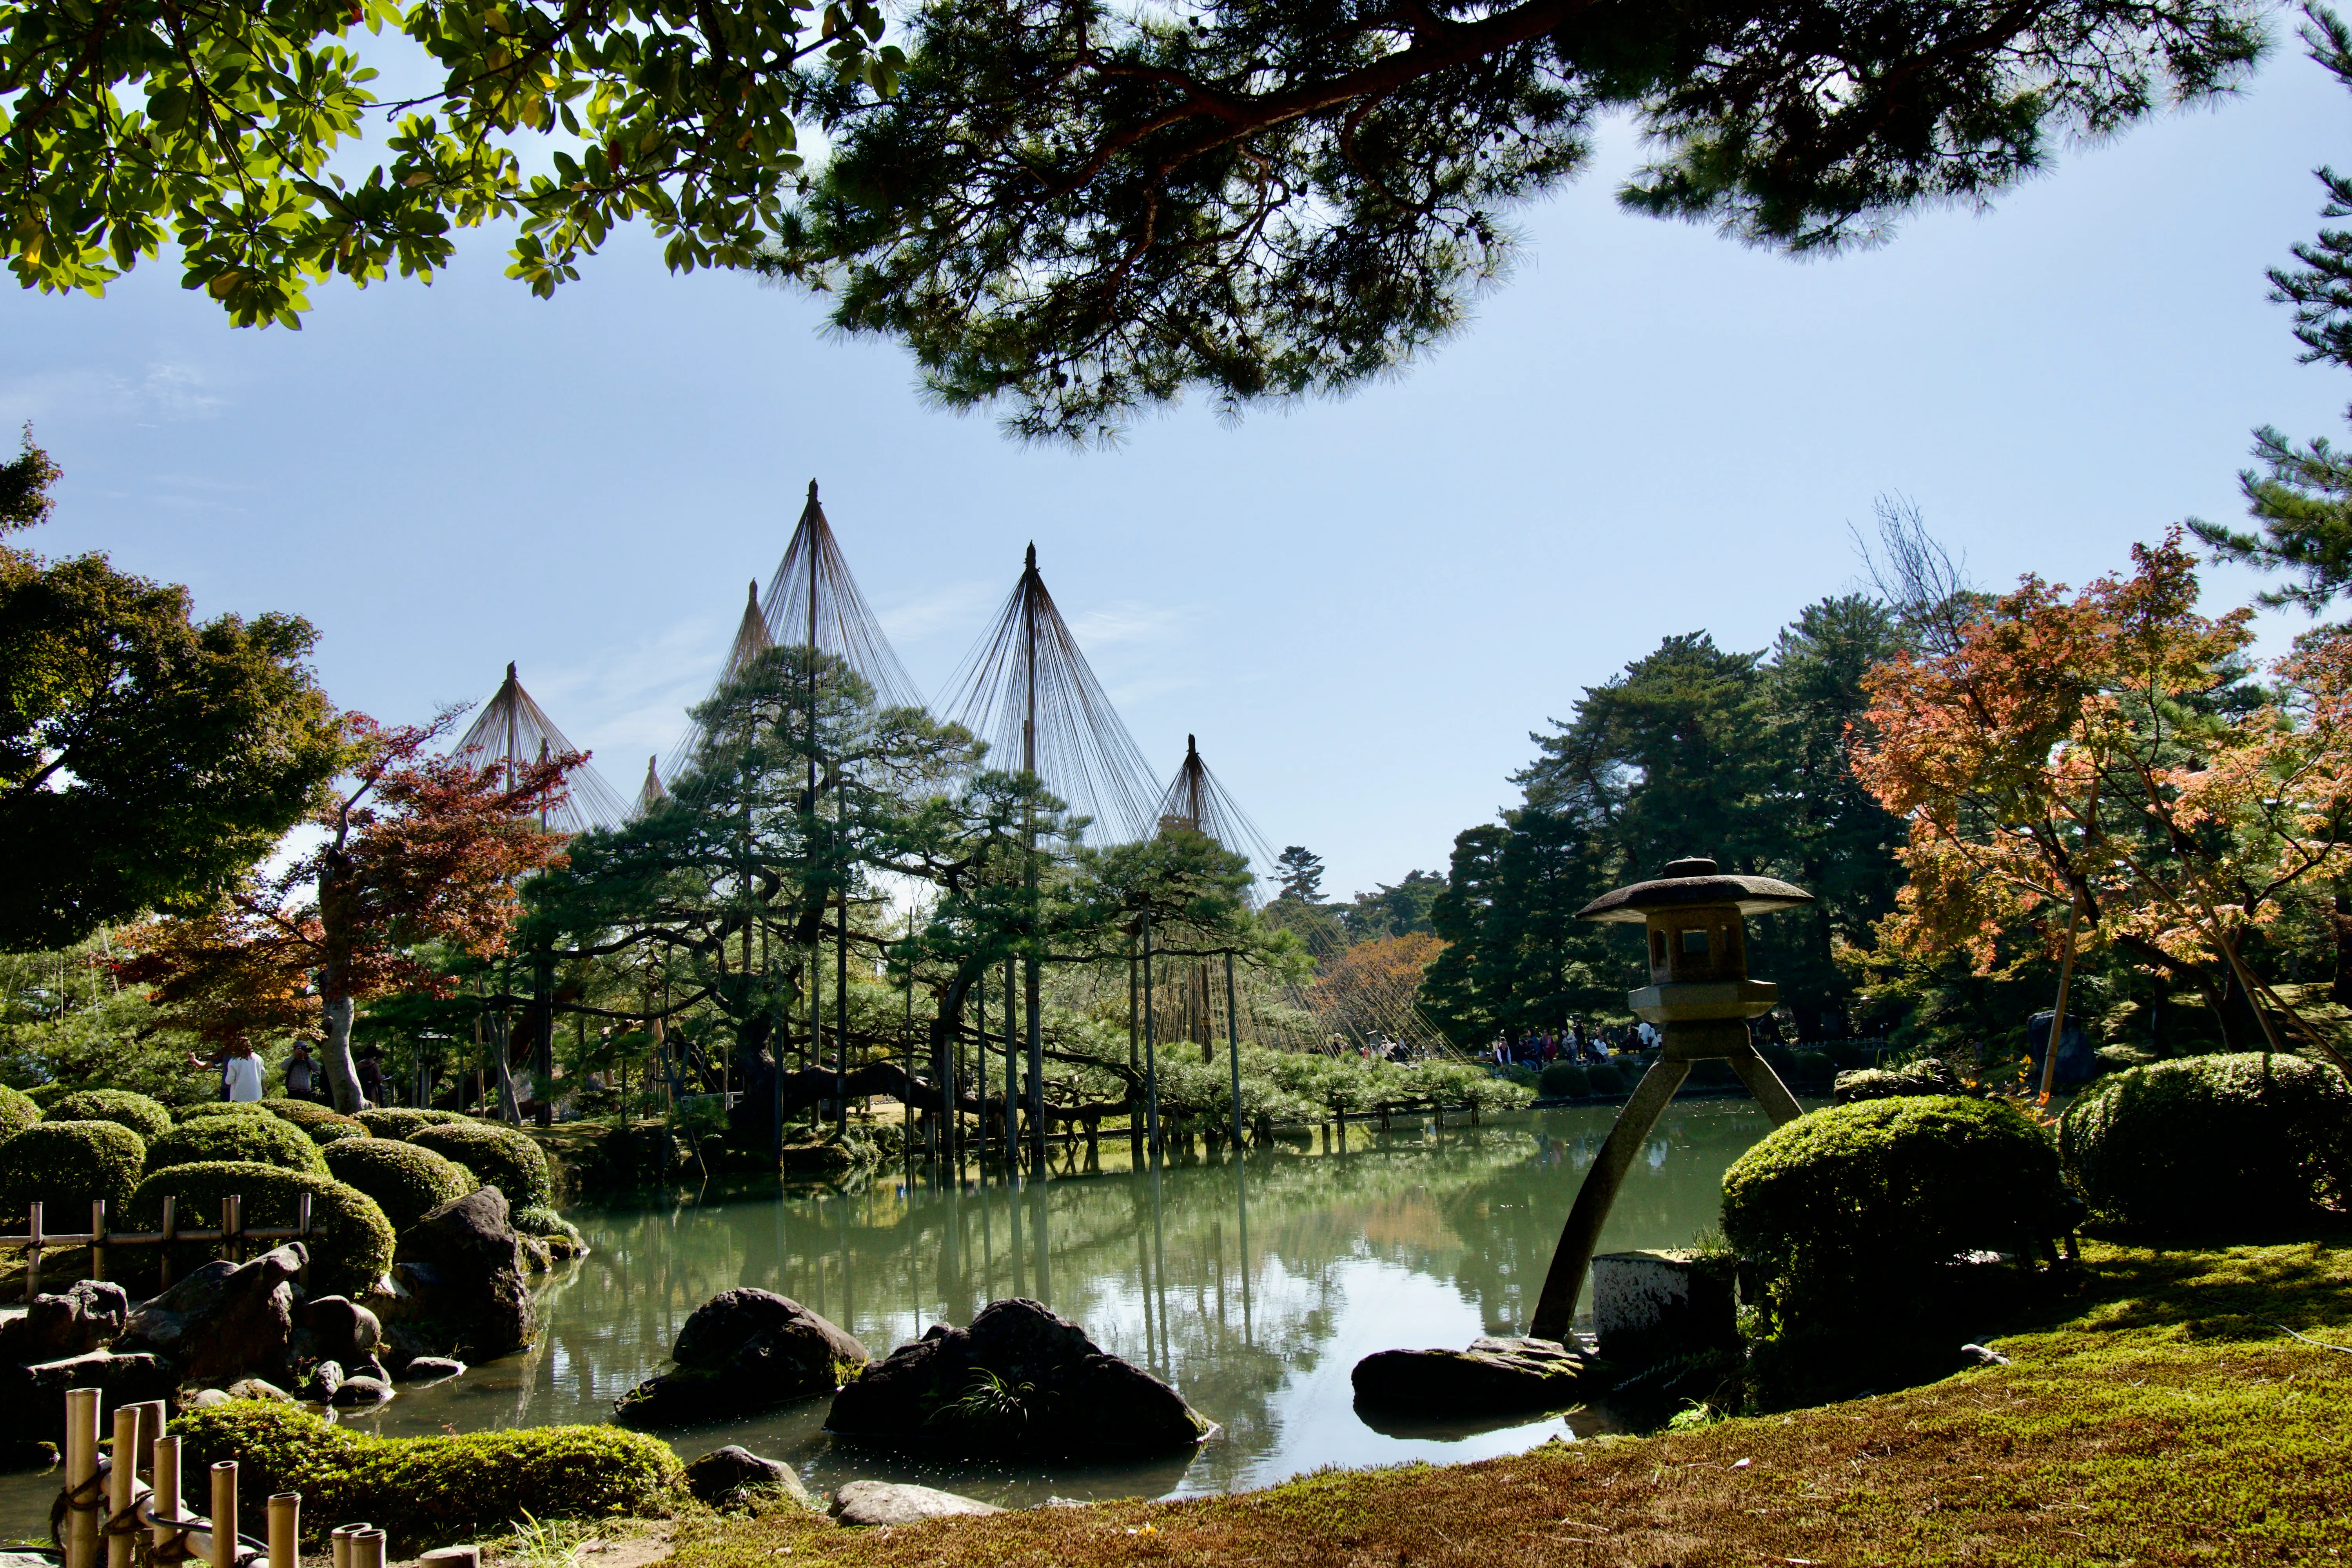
232	1233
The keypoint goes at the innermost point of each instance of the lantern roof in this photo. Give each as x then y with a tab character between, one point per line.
1694	881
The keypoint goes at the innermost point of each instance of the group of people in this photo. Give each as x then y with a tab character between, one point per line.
1574	1043
239	1067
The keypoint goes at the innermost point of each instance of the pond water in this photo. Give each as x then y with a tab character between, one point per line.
1253	1289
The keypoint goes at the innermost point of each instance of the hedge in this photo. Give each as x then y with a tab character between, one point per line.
252	1139
400	1121
350	1256
425	1492
502	1157
17	1112
406	1180
2212	1142
65	1166
150	1119
1889	1184
1564	1081
223	1108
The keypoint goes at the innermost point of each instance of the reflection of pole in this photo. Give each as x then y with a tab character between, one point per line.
979	1071
1012	1101
906	1107
1134	1060
1150	1057
1234	1047
1041	1236
1240	1189
1159	1281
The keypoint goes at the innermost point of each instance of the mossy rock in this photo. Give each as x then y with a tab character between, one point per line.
197	1112
2223	1144
425	1492
502	1157
552	1228
17	1112
65	1166
1564	1081
400	1121
150	1119
406	1180
1888	1186
351	1242
250	1140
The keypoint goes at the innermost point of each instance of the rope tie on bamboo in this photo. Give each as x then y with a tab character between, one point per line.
168	1554
90	1496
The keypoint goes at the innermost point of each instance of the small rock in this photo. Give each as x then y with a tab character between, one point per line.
431	1369
452	1557
205	1399
729	1474
1492	1374
336	1328
362	1391
258	1388
891	1502
324	1379
1983	1355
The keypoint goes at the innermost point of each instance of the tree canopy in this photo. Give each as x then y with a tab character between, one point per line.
147	759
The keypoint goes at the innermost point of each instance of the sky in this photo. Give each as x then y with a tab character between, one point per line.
1362	607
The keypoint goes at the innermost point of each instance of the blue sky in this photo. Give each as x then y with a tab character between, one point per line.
1361	607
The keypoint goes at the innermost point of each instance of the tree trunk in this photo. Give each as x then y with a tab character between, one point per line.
342	1073
509	1107
2340	922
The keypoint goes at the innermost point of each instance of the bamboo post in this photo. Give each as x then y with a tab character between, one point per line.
152	1413
81	1469
224	1531
302	1224
367	1548
452	1557
339	1544
170	1233
123	1485
284	1529
33	1255
97	1238
165	1504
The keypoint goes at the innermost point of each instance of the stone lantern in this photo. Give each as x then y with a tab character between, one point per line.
1701	998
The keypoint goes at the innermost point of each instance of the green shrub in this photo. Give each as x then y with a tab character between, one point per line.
148	1118
1564	1081
1712	1072
502	1157
1888	1185
223	1107
1610	1078
351	1245
16	1112
45	1095
251	1139
2207	1142
400	1121
425	1492
406	1180
65	1166
2121	1058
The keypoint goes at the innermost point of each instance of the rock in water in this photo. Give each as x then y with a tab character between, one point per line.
360	1393
33	1398
732	1474
225	1321
1021	1379
887	1502
1492	1374
336	1328
256	1388
743	1350
431	1369
458	1274
74	1322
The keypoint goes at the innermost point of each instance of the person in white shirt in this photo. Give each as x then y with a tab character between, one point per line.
239	1069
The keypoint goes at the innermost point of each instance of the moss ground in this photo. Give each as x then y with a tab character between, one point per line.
2156	1420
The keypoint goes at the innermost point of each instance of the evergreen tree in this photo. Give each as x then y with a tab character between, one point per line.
1300	874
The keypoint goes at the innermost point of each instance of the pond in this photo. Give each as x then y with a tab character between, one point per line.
1254	1290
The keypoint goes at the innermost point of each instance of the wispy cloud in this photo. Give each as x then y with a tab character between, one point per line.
631	699
958	607
1132	621
160	392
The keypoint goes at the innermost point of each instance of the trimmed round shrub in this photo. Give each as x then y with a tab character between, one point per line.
223	1108
323	1124
350	1243
466	1174
2207	1142
16	1112
250	1140
47	1094
425	1492
502	1157
64	1166
1607	1078
400	1121
148	1118
1564	1081
1889	1184
406	1180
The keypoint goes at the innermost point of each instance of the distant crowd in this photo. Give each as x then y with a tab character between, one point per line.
1573	1044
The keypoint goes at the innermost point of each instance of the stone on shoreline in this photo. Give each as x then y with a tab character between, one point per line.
223	1320
729	1474
460	1285
870	1503
1492	1374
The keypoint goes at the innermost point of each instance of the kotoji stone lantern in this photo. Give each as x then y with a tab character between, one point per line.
1700	997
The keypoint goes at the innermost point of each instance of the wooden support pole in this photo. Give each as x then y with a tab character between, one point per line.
170	1233
97	1238
284	1529
82	1469
123	1485
33	1255
165	1504
223	1520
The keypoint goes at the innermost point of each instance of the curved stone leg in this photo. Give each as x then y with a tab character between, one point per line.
1766	1086
1556	1308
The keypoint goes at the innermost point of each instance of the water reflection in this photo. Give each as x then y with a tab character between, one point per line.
1254	1290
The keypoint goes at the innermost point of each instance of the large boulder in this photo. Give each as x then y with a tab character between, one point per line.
225	1321
337	1329
729	1477
892	1502
33	1398
458	1286
1492	1374
86	1317
744	1350
1021	1379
